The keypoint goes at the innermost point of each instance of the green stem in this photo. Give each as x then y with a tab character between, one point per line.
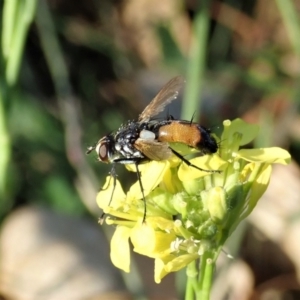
196	62
191	284
23	19
17	17
5	148
207	266
8	21
198	287
189	292
290	18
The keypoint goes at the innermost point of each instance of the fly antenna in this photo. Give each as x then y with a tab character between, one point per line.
90	149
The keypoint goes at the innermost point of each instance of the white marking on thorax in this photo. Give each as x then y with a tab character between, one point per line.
147	135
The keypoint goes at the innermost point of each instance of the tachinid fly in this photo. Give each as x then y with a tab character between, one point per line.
148	139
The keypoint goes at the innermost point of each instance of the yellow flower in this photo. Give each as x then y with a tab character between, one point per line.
189	212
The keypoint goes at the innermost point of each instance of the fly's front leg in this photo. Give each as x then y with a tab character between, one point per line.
113	175
142	190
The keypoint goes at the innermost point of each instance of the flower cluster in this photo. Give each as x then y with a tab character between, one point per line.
189	212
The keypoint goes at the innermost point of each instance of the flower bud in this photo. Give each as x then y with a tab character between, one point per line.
163	200
216	204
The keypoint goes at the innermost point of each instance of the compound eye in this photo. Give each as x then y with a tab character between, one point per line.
102	151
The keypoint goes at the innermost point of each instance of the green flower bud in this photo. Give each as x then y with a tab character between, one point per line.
216	204
163	200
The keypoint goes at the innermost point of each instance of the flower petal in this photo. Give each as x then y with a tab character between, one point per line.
259	185
180	262
159	267
119	248
151	175
206	162
150	242
171	263
161	223
268	155
171	182
104	196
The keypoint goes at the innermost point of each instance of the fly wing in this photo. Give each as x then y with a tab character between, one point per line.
165	96
153	149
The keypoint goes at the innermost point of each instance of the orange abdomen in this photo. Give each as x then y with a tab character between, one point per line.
180	132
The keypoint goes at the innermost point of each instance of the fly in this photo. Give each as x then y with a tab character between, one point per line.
147	139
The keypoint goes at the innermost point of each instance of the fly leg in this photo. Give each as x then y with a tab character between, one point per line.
113	175
142	190
192	165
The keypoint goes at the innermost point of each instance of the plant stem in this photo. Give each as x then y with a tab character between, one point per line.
8	18
196	62
207	266
290	16
198	287
16	19
23	18
5	147
194	75
191	284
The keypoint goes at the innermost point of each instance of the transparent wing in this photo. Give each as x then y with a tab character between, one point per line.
154	150
165	96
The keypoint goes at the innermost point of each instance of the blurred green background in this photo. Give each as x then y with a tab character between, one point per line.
73	71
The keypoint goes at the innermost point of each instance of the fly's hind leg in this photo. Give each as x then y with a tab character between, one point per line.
192	165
